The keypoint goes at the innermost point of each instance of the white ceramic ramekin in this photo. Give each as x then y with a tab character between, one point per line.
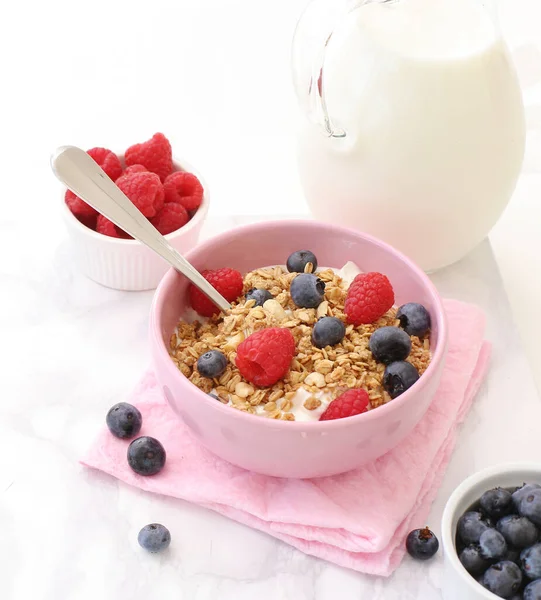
458	583
128	264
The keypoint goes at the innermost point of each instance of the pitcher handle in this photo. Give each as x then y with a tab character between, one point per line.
311	93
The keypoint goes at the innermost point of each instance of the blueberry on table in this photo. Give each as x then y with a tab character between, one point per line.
124	420
307	290
146	456
389	344
496	503
520	492
414	319
503	579
296	262
530	506
328	331
473	561
493	545
470	527
518	532
154	537
531	561
212	364
533	591
259	295
422	544
398	377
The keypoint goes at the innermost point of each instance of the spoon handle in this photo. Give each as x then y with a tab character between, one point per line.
84	177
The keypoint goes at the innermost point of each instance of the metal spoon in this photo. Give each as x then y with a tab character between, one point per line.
84	177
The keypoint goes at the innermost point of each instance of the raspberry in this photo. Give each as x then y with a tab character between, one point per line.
264	357
145	190
155	154
348	404
78	207
227	281
106	227
170	218
108	161
369	297
183	188
89	222
134	169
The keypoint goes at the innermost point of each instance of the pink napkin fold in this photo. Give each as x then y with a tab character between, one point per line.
357	520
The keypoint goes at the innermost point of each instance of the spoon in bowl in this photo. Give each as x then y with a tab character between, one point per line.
85	178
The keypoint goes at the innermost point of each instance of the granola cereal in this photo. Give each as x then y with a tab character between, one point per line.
317	375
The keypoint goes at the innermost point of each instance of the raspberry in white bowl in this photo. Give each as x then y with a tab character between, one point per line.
168	191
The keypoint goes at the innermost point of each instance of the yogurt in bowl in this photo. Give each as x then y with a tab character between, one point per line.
295	448
318	375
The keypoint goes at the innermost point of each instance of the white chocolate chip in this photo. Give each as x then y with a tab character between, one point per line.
316	379
233	343
243	390
275	309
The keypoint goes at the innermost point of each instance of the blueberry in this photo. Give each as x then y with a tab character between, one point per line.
211	364
473	561
517	597
307	290
422	544
328	331
520	492
414	319
298	261
154	537
493	545
530	506
470	527
531	561
398	377
260	296
496	503
513	555
124	420
503	579
533	591
146	456
518	532
389	344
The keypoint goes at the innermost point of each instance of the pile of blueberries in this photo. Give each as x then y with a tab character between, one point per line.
146	456
498	541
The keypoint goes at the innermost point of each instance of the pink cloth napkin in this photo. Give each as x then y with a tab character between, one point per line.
359	519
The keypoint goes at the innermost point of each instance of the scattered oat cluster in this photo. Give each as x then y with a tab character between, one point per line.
334	369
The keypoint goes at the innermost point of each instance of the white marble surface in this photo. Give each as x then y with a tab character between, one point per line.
72	348
214	76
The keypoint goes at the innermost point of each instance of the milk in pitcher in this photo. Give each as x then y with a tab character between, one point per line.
429	102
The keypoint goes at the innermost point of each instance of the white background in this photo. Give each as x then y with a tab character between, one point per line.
214	76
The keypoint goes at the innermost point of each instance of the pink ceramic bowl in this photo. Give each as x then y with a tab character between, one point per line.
287	448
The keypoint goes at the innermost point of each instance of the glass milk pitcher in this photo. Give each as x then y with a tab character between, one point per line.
414	128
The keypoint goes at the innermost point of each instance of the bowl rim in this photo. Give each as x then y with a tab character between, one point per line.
225	238
450	509
199	215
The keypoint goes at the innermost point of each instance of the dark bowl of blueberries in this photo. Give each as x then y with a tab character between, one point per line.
491	534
